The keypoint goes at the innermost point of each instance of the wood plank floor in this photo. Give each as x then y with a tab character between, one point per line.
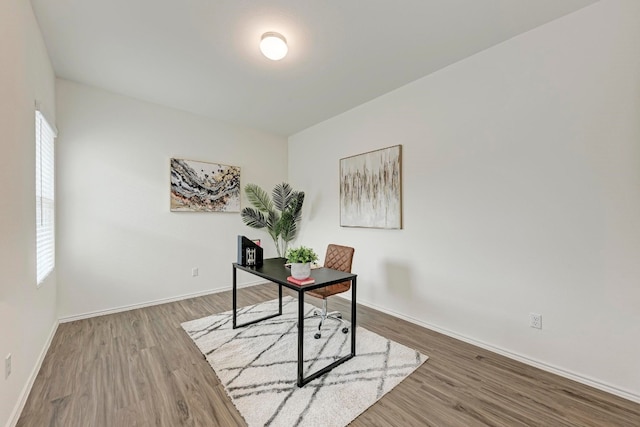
139	368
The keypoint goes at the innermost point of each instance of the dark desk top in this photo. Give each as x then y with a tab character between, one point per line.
273	269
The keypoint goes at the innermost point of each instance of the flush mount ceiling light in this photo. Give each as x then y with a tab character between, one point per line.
273	46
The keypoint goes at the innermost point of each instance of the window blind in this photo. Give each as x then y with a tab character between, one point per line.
45	198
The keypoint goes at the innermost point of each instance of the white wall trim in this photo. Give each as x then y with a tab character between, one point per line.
97	313
17	410
515	356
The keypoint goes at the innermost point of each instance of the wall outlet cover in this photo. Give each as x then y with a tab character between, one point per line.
535	320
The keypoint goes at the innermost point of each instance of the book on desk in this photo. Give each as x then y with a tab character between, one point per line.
300	282
249	252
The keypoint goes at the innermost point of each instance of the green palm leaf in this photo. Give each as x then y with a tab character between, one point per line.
258	198
273	220
254	218
287	227
296	205
282	194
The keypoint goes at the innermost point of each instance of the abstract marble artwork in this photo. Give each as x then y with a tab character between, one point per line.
204	187
370	189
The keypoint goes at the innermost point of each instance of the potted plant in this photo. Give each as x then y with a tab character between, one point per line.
279	216
301	259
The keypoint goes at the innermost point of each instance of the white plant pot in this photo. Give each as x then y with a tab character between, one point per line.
300	270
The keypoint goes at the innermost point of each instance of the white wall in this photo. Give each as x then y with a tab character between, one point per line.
521	194
27	313
119	244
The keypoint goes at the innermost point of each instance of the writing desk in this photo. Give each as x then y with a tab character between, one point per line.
273	269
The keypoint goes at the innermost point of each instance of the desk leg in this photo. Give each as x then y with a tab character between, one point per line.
301	379
300	339
234	293
234	297
353	317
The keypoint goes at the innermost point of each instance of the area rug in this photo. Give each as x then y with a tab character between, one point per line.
257	365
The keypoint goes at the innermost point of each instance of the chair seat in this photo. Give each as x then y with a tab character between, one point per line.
330	290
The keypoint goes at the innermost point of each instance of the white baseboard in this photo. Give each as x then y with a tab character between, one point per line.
634	397
120	309
17	410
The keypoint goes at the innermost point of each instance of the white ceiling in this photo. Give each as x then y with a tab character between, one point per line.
202	55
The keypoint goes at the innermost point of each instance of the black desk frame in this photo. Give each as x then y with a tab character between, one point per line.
324	277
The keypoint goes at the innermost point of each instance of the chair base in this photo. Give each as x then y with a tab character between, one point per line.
324	315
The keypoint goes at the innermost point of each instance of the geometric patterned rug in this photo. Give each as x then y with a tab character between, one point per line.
257	365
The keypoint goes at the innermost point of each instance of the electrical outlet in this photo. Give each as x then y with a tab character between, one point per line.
7	366
194	272
535	320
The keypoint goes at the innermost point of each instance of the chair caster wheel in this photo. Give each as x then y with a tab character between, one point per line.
317	335
345	330
339	315
315	312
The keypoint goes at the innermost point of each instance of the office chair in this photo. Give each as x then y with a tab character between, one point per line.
339	258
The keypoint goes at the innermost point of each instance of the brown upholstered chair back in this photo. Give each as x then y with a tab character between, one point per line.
339	258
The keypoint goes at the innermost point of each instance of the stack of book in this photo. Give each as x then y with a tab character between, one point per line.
307	281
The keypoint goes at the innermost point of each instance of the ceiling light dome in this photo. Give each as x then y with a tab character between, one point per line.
273	46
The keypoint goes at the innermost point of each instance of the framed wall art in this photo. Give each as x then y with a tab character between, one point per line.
204	187
371	190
